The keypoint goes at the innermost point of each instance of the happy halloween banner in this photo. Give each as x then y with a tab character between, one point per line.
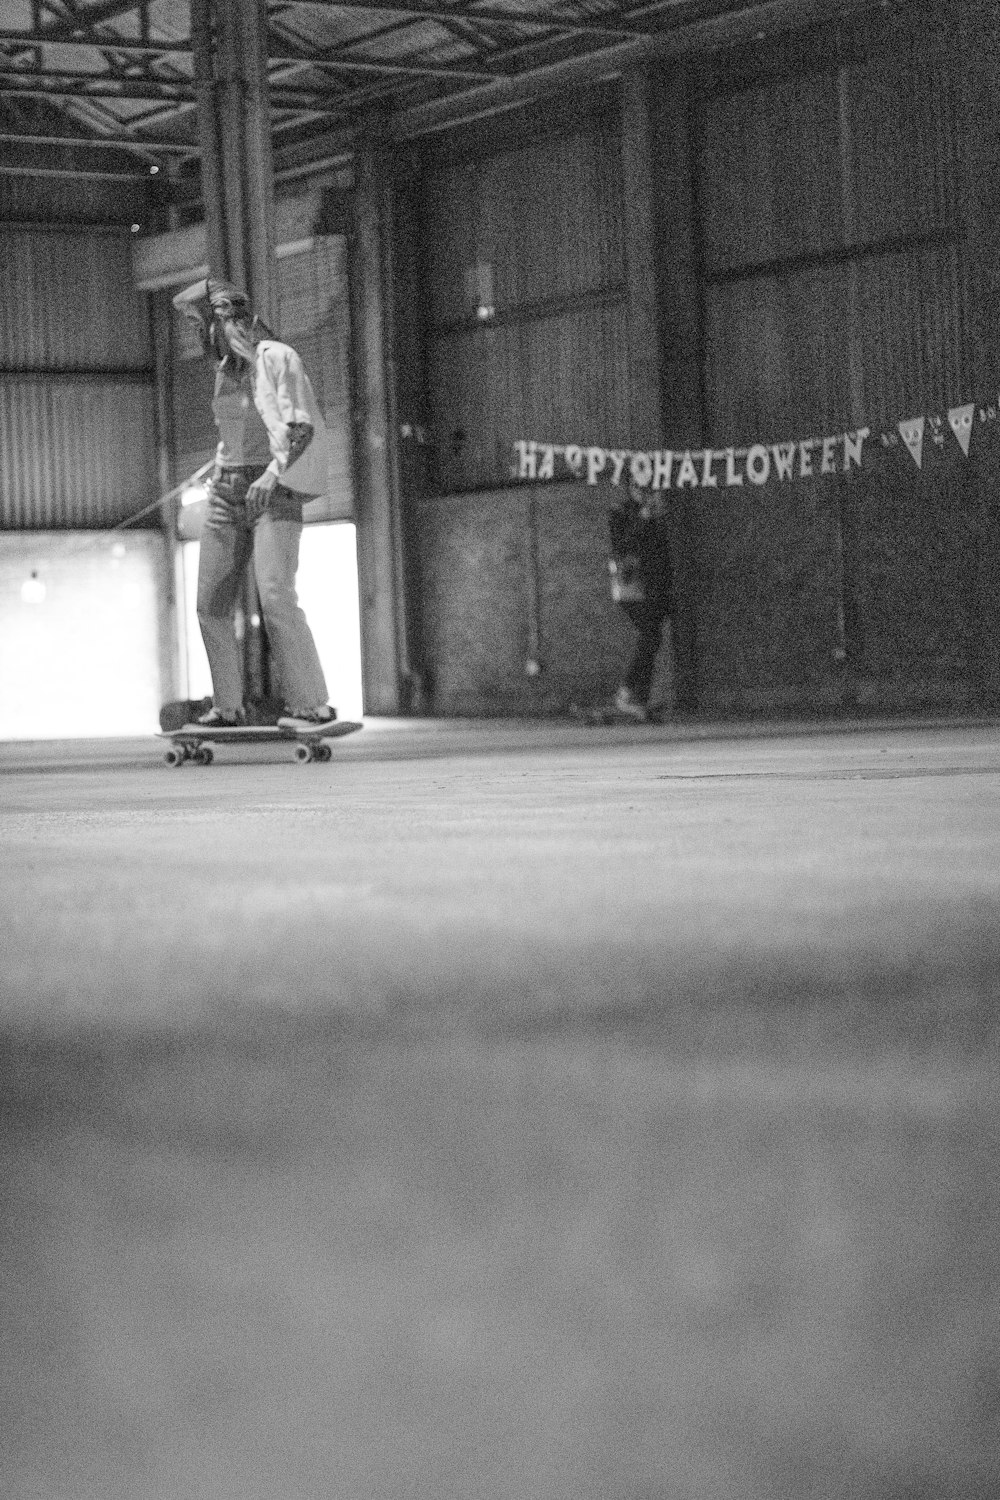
758	464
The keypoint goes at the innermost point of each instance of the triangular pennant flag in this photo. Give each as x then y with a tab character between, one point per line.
960	418
912	433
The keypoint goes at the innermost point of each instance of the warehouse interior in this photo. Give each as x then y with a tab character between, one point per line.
682	226
509	1106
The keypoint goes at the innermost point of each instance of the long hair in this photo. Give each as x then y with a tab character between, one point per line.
245	331
214	303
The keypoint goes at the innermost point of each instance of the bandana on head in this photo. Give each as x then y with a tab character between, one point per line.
212	296
214	301
224	298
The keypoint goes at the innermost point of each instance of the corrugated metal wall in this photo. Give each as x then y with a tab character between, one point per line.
832	291
835	295
533	235
25	197
516	575
74	452
76	399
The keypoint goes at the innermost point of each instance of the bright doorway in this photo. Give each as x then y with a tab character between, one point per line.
327	584
80	620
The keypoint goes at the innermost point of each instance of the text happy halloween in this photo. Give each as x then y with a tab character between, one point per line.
708	468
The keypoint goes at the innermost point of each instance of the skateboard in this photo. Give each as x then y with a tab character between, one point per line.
603	715
198	744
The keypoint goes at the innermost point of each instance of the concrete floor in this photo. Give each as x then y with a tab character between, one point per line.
522	1112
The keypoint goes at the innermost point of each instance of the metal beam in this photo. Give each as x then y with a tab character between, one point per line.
326	61
105	88
79	75
493	15
95	16
321	59
79	172
103	142
43	37
743	24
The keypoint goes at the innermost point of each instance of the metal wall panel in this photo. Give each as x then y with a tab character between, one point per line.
777	356
902	144
74	452
546	217
913	349
513	575
69	301
543	224
72	200
836	294
314	316
770	172
768	596
562	379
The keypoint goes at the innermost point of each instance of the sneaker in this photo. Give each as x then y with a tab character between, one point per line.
630	706
308	718
216	719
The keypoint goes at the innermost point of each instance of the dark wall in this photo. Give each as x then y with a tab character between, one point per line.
515	577
77	422
809	211
836	295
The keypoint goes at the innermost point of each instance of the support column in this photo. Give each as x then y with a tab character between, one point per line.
979	51
384	654
229	38
666	394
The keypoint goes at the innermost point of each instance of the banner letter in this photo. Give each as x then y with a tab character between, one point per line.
525	460
805	457
731	475
617	457
547	467
827	464
853	442
758	464
688	473
709	481
574	459
784	456
663	462
641	469
595	463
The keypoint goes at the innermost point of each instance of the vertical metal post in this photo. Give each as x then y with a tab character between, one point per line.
978	42
162	335
213	201
645	414
666	317
229	38
376	434
258	160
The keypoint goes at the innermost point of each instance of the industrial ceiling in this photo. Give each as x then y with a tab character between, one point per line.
78	79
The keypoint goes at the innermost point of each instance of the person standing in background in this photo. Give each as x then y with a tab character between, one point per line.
642	587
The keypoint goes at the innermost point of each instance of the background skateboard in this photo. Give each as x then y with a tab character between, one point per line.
604	714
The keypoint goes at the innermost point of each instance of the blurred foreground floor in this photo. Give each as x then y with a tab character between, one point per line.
522	1112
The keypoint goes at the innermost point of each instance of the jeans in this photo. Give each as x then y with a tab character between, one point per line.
229	541
648	621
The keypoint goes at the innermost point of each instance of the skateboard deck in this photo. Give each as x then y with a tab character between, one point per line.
197	744
602	715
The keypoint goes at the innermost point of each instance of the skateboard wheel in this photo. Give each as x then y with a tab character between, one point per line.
324	752
203	755
174	756
303	753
